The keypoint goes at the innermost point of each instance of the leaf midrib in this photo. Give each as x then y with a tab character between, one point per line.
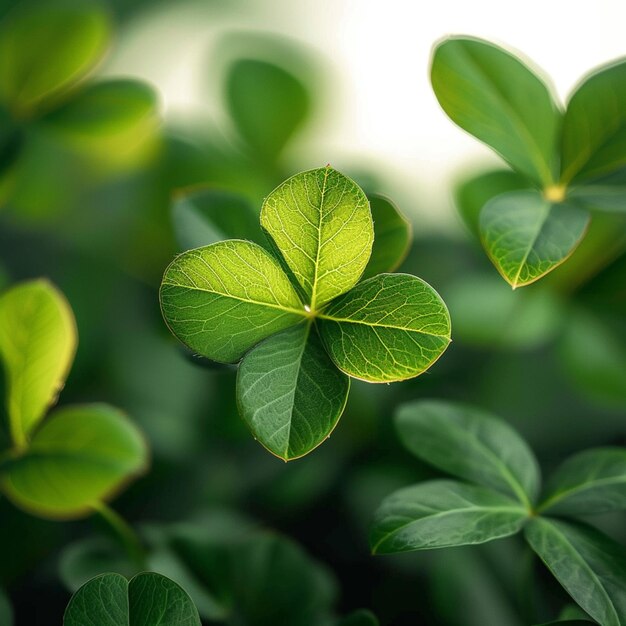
319	239
379	325
580	487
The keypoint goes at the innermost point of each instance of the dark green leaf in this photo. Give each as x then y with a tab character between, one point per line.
594	126
590	566
321	223
290	393
593	481
207	216
46	50
443	513
602	194
149	599
223	299
388	328
392	237
78	457
492	95
6	612
267	104
362	617
470	444
526	236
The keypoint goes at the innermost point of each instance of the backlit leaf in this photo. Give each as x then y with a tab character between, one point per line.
390	327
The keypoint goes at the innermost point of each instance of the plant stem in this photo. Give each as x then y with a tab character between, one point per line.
128	537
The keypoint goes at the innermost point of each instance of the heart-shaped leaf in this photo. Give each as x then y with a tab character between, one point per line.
37	345
148	599
392	237
46	50
443	513
590	566
267	103
224	298
388	328
526	236
495	97
594	126
207	216
321	223
78	457
289	392
593	481
470	444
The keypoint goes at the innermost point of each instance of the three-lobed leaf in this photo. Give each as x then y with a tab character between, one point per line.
494	96
289	392
593	481
37	345
443	513
526	235
589	565
224	298
388	328
148	599
470	444
80	456
320	221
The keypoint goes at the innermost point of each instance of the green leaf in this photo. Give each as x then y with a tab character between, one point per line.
594	126
443	513
593	481
494	96
607	193
362	617
290	393
207	216
320	221
111	118
527	236
223	299
6	611
149	599
45	50
392	237
471	195
590	566
388	328
37	346
569	622
470	444
267	104
80	456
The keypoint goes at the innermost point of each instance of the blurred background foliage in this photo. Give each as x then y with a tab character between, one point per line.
93	177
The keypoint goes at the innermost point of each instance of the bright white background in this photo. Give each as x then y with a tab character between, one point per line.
382	107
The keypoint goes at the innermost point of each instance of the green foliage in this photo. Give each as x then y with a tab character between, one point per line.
475	446
296	313
148	599
81	455
6	612
498	99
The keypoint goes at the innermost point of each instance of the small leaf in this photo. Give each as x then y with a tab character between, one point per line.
388	328
148	599
470	444
471	195
37	346
494	96
78	457
593	481
392	237
46	50
223	299
594	126
590	566
207	216
443	513
290	393
267	104
362	617
527	236
321	223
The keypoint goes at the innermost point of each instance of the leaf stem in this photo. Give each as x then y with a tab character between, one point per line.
124	531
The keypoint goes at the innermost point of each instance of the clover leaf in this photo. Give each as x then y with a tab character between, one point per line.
479	448
295	315
568	163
